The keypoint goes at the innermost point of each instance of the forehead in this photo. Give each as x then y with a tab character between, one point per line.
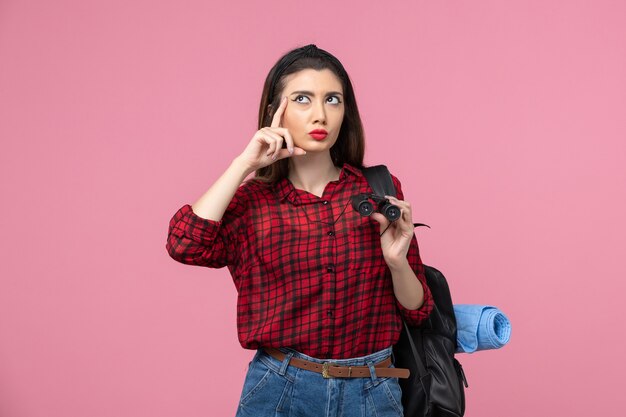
312	80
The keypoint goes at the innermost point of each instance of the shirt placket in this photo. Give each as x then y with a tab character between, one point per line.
329	280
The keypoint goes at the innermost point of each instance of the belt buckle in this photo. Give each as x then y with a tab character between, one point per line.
325	367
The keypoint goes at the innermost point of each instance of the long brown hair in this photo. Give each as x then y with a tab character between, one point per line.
350	145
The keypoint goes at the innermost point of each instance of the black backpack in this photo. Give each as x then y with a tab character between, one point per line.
435	387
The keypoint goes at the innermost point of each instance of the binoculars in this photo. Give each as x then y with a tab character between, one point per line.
363	204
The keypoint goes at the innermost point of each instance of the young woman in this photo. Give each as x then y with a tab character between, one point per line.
321	289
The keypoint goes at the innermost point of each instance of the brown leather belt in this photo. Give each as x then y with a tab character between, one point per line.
330	370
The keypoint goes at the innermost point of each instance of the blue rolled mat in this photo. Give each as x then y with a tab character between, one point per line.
480	327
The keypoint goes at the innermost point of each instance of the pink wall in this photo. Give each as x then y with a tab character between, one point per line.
504	120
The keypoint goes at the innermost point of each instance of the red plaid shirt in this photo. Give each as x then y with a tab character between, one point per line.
309	271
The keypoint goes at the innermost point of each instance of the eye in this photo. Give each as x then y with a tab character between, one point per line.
336	98
297	99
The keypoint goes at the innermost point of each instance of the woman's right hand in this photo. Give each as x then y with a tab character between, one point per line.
265	148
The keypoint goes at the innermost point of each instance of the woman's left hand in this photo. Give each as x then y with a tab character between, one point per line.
396	240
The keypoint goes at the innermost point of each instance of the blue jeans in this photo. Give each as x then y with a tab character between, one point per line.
273	388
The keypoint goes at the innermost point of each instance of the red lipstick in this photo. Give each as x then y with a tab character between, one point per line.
318	134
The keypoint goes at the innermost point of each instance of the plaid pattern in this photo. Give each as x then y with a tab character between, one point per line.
309	271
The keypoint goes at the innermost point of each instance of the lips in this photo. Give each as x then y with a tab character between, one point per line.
318	134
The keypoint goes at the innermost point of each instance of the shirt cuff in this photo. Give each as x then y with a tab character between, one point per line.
188	224
417	316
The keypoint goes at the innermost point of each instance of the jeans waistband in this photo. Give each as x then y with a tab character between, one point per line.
357	361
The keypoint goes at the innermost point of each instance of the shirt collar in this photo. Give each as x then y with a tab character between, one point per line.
286	191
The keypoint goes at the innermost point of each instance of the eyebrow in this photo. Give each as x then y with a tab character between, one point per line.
310	93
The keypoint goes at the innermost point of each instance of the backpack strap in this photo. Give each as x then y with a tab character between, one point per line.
421	369
379	179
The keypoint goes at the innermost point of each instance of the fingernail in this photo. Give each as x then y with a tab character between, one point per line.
290	150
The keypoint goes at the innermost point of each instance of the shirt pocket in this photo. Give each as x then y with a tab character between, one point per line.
278	236
364	250
366	259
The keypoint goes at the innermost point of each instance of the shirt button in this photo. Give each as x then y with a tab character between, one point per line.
331	233
329	313
325	202
330	268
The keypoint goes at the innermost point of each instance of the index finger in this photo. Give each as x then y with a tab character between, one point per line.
276	120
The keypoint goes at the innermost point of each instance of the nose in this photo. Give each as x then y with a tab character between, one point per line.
319	113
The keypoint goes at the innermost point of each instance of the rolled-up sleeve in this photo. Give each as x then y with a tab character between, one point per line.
194	240
415	317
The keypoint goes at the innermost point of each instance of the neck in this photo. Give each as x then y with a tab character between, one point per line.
311	172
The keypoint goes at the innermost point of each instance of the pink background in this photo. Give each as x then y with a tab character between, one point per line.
504	120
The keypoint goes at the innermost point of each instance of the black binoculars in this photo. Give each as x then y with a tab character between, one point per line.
363	204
